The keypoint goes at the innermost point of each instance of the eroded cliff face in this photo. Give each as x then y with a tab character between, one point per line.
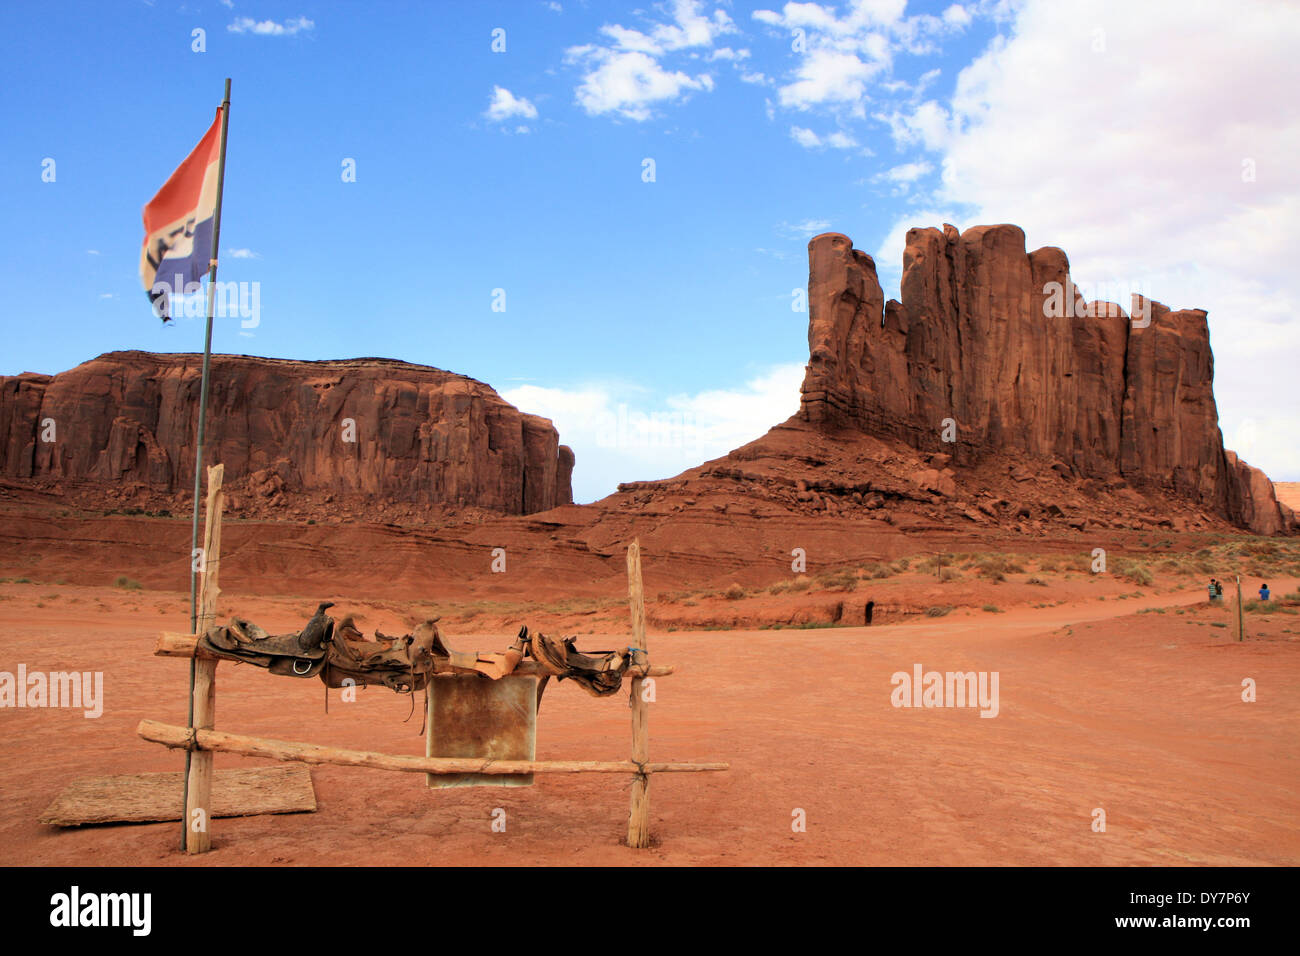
984	357
361	435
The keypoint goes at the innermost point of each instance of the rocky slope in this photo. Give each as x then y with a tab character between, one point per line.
362	437
992	356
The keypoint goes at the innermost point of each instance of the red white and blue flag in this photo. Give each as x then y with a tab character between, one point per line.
178	224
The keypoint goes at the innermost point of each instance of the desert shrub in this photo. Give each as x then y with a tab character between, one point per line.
1037	580
691	603
900	565
992	609
1130	570
1267	607
842	580
935	562
800	584
1259	547
878	571
126	583
780	587
949	574
937	611
734	592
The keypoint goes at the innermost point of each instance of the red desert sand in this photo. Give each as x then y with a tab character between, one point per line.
1138	714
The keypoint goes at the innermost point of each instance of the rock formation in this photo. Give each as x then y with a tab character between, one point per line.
991	353
357	435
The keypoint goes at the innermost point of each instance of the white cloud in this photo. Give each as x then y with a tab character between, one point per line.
904	176
957	16
620	433
271	28
927	125
810	140
624	74
757	78
505	105
554	7
1131	148
228	4
908	172
804	230
93	252
629	84
829	77
106	295
243	254
844	60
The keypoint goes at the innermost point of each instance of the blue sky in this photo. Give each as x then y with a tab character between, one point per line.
524	171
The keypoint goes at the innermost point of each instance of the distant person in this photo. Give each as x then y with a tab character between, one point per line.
1263	592
871	607
1214	590
1218	589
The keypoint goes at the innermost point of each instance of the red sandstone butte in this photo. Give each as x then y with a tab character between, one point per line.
423	436
972	341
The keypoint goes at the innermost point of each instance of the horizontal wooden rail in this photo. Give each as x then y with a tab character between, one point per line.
172	644
183	738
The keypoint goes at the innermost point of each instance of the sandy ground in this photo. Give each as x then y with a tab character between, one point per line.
1100	707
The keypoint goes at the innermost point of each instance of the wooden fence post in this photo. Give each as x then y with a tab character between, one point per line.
198	805
638	824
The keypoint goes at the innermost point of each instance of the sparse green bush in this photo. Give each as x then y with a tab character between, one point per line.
734	593
935	562
949	574
937	611
126	583
992	609
1037	580
1131	570
843	580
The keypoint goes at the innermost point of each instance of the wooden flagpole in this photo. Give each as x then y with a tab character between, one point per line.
203	420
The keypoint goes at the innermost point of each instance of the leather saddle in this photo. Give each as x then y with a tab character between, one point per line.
296	655
599	674
402	664
342	656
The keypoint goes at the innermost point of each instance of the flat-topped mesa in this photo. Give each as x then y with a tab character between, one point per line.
985	356
346	432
